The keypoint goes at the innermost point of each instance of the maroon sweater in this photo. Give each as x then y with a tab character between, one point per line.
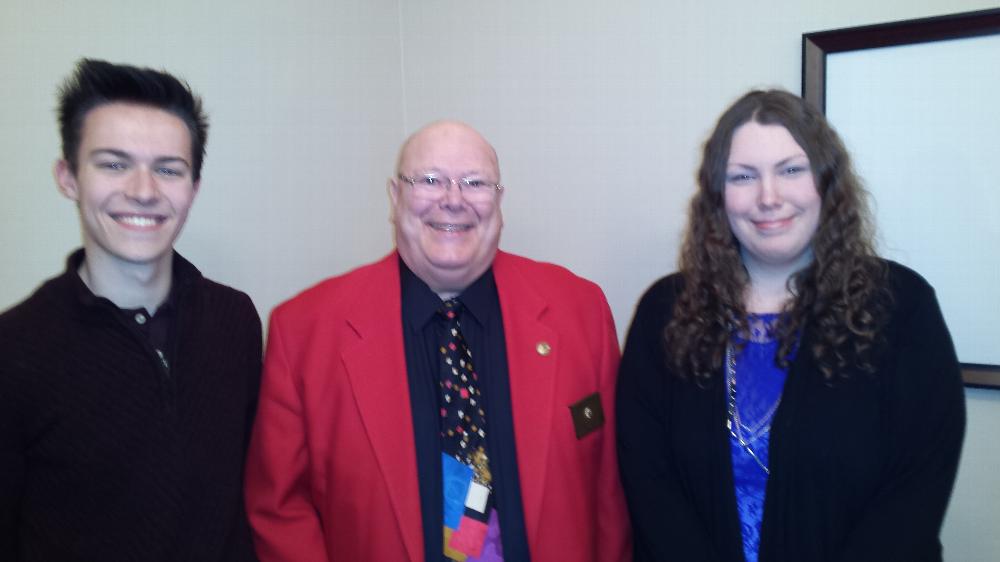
104	454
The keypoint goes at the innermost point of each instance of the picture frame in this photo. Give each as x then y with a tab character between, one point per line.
940	32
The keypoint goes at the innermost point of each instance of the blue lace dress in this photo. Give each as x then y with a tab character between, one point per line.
759	382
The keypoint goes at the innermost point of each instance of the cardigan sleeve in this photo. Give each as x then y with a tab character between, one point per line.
665	523
927	409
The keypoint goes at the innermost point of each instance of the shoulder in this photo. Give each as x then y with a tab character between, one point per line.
906	285
208	296
912	300
569	303
335	295
544	271
653	312
659	298
45	305
218	297
222	292
553	281
38	331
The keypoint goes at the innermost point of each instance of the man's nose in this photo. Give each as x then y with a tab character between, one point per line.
142	186
453	195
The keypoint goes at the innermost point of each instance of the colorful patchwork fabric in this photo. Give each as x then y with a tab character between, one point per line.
471	526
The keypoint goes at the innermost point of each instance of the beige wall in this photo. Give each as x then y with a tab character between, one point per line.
305	108
597	110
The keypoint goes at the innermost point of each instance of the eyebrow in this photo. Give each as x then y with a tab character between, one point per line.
779	164
465	175
126	156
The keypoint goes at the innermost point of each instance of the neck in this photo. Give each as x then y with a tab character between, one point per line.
127	285
769	284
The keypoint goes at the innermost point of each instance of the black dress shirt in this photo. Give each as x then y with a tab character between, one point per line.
482	328
157	328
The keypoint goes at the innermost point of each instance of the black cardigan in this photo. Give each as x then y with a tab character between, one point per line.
106	456
861	469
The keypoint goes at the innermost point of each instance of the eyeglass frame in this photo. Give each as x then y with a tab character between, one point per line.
446	183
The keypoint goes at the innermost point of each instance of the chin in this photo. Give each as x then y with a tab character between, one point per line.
142	257
450	267
450	258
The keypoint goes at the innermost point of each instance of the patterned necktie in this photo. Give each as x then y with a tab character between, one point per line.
470	520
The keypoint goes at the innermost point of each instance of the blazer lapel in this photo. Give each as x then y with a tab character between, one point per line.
532	356
376	368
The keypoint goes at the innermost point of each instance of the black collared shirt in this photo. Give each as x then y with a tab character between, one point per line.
157	329
422	334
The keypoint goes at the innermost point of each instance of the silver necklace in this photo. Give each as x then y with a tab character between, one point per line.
762	426
733	423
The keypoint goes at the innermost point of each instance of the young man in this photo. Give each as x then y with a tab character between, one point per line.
448	402
129	382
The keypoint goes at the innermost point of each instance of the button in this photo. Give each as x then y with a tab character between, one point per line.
543	348
140	318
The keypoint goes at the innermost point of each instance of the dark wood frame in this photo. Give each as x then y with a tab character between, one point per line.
817	45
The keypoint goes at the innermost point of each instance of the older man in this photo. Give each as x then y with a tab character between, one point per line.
448	402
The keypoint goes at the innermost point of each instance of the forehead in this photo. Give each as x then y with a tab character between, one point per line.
755	140
135	128
450	148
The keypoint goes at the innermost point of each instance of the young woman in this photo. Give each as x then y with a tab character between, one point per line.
787	395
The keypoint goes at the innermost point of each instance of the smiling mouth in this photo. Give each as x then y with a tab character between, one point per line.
772	224
449	227
138	221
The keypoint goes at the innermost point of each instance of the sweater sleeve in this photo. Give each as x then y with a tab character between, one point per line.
239	547
254	366
927	409
12	470
665	523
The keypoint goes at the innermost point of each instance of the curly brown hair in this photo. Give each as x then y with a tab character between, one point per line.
841	295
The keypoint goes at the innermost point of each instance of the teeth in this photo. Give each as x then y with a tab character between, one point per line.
450	227
140	221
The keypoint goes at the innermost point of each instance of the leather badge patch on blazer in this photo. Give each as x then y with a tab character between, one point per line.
588	415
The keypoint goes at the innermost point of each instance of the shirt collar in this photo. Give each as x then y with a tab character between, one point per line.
184	275
420	303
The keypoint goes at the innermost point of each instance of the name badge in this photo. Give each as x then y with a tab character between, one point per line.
588	415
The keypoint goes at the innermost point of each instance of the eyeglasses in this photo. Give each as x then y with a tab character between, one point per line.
431	186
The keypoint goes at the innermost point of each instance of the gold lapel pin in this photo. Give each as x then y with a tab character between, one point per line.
543	348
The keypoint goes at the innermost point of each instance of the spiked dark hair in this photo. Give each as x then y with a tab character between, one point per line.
97	82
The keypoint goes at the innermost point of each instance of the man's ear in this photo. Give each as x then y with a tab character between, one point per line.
66	180
392	186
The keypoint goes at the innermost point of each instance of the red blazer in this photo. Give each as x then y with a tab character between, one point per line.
332	471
